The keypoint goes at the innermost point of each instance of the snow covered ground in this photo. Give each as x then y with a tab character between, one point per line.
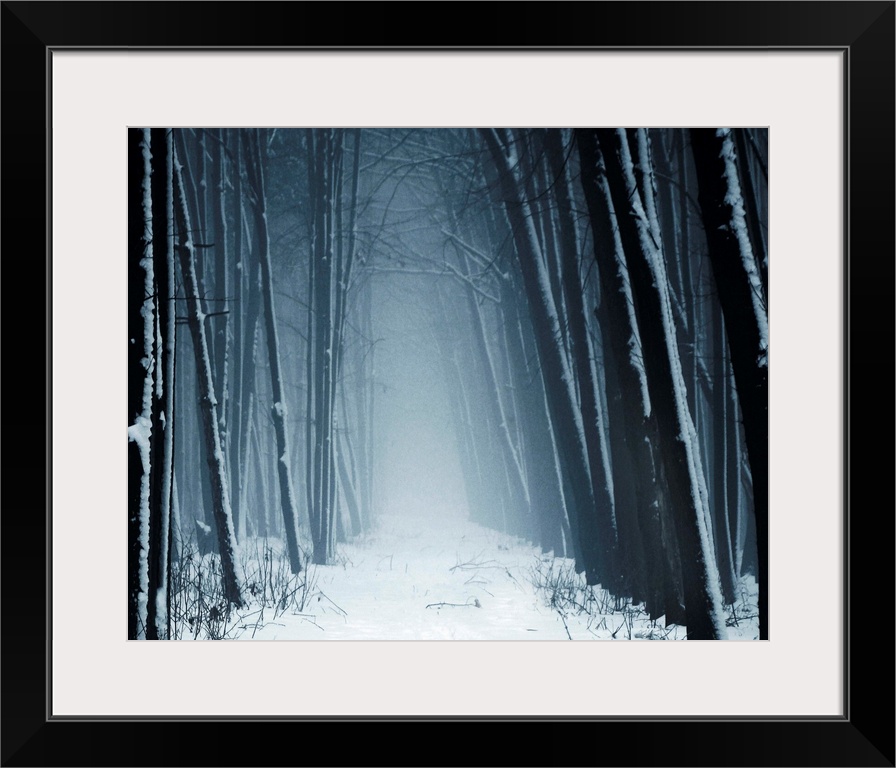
443	578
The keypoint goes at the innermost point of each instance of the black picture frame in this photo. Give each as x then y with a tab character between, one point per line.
864	31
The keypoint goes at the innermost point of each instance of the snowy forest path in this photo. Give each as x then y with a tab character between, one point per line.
423	578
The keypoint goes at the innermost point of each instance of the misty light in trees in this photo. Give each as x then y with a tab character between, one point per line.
447	383
416	448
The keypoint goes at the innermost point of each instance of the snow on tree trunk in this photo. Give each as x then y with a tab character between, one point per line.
321	332
631	422
278	409
558	381
207	402
746	320
582	356
541	466
757	237
237	442
719	425
678	449
223	285
141	327
169	491
163	391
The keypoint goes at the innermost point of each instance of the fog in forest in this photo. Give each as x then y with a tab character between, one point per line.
416	461
448	383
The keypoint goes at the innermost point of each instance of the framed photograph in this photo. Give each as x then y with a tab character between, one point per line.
814	79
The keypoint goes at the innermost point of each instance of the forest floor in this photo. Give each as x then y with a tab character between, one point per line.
429	578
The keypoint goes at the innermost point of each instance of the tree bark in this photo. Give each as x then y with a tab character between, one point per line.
163	400
581	356
667	390
207	402
720	421
320	418
278	408
632	424
237	448
141	331
557	376
746	320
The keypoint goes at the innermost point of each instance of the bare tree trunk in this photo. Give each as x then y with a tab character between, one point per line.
746	319
720	422
632	426
321	339
581	355
365	396
467	423
519	496
278	409
347	486
141	330
237	452
754	225
169	490
163	400
223	286
544	481
207	402
565	417
667	390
